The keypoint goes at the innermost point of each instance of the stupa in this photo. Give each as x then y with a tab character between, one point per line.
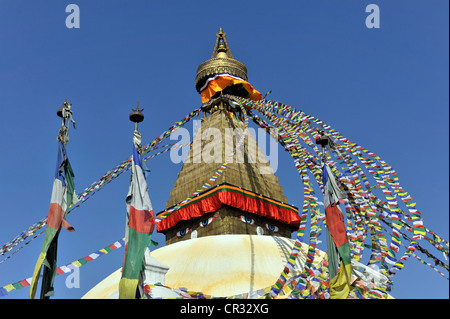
235	237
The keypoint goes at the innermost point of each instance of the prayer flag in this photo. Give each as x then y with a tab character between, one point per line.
63	196
138	231
338	245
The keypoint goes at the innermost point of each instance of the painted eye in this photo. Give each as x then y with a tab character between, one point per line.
272	228
182	232
247	220
206	222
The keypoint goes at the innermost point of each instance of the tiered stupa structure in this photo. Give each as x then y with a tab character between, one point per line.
248	176
235	237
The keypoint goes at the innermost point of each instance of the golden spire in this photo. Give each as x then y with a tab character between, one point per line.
221	61
221	46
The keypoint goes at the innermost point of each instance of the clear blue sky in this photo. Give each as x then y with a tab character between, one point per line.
386	89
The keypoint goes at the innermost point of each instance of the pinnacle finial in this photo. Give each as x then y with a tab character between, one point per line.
66	114
221	46
60	111
136	116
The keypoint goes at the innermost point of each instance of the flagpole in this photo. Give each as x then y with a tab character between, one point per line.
339	252
65	113
333	255
62	198
135	233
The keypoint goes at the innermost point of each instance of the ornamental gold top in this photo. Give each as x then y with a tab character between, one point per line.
221	61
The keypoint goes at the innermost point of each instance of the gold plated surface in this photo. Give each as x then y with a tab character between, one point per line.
221	61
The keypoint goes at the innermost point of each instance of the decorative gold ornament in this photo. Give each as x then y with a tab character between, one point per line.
221	61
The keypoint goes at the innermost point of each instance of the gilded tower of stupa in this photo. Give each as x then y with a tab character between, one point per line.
247	172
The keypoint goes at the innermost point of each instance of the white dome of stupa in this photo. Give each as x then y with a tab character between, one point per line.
220	265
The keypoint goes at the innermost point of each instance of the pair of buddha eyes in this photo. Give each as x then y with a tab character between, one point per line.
251	221
202	223
206	222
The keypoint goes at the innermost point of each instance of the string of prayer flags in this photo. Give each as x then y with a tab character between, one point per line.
353	165
110	175
376	205
65	268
